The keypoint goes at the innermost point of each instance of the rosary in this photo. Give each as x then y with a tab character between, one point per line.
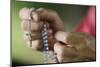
46	53
46	45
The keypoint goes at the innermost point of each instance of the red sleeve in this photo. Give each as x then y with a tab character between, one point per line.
88	24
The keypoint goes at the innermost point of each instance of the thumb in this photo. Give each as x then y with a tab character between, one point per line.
61	36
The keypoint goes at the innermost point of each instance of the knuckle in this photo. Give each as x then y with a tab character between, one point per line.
40	9
24	13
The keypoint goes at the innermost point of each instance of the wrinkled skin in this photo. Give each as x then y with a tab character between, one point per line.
75	46
68	45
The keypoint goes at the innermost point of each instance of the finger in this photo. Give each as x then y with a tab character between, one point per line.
75	39
28	14
35	29
52	17
62	36
32	36
71	39
46	14
30	26
58	49
35	45
38	44
64	52
38	36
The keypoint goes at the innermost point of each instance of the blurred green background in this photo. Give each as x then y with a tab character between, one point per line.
21	54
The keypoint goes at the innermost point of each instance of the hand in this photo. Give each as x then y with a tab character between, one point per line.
54	24
66	44
74	46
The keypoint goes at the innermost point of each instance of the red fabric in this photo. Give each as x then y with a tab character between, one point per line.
88	24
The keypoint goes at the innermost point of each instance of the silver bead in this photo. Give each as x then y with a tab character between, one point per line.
45	37
44	34
45	29
46	45
47	48
44	25
45	41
